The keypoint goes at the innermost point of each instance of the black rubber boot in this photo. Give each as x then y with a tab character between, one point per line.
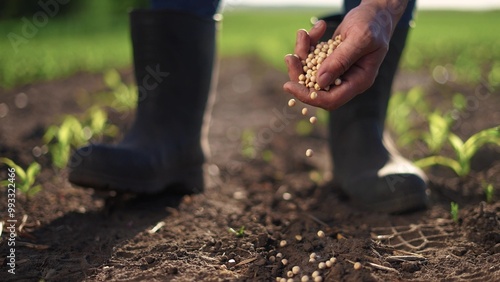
367	166
173	60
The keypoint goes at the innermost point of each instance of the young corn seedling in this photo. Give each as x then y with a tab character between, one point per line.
454	211
464	151
73	134
23	180
489	192
124	96
239	233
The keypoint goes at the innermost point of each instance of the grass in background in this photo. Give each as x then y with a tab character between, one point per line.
464	41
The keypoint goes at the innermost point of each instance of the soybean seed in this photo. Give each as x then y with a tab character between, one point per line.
318	279
312	255
321	234
309	153
321	265
291	102
333	260
296	269
289	274
282	243
328	263
314	95
338	81
284	261
304	111
357	266
304	278
313	120
315	274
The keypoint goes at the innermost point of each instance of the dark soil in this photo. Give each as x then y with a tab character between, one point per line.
73	234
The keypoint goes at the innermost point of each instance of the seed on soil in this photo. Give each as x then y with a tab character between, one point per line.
279	255
338	81
357	265
318	279
321	265
284	261
291	102
282	243
333	260
296	269
304	278
313	120
309	153
314	59
304	111
312	255
314	95
312	260
328	263
272	258
321	234
298	238
315	274
289	274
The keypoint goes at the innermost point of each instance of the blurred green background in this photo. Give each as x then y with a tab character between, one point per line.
92	35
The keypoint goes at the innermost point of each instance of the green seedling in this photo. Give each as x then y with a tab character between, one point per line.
464	151
124	96
22	180
239	233
454	211
73	134
248	149
439	130
488	192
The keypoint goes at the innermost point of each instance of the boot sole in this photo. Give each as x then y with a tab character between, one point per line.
178	182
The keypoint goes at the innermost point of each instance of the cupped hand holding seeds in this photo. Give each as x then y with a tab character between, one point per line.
356	61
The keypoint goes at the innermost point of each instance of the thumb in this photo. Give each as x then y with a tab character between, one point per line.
341	59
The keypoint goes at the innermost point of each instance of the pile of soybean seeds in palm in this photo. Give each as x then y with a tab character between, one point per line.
312	63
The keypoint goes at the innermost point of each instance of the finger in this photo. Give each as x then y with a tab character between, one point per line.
302	44
326	100
294	66
317	32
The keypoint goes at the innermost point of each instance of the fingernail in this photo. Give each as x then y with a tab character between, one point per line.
325	79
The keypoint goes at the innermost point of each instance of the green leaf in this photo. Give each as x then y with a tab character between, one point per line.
32	172
438	132
459	102
50	133
440	160
20	173
476	141
112	78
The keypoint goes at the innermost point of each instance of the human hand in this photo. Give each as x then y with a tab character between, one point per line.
356	61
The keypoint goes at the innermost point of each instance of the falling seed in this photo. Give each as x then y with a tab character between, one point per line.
291	102
309	153
338	81
321	234
321	265
314	95
282	243
357	266
313	120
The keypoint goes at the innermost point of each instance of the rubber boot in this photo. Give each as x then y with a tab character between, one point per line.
367	166
173	60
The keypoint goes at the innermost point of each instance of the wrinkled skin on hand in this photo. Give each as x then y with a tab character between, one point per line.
366	31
